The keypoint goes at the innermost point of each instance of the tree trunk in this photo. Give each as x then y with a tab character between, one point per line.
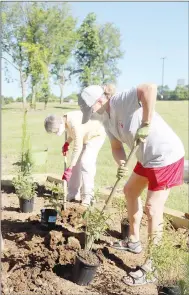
33	102
45	104
23	87
61	93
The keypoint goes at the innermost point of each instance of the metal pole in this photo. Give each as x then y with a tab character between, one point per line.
163	58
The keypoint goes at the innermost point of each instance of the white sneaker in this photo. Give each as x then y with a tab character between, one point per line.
74	198
78	197
87	201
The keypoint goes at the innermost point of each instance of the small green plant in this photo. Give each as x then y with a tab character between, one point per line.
24	184
185	282
120	204
96	225
57	195
26	162
169	258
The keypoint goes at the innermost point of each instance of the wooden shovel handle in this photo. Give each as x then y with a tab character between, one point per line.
132	153
65	185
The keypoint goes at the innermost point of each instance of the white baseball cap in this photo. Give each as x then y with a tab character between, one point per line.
88	98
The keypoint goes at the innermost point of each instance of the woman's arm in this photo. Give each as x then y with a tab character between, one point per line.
118	151
78	144
69	139
147	94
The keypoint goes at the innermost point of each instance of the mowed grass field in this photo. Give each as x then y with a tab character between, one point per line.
175	114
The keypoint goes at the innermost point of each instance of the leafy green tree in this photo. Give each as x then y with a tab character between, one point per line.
88	51
19	99
62	43
110	43
182	92
98	52
13	34
73	97
6	99
164	93
38	54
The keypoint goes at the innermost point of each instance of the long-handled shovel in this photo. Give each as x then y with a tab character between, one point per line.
64	181
132	153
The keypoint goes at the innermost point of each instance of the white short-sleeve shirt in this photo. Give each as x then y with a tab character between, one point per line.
162	147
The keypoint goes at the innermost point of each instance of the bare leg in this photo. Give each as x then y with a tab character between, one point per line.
154	209
132	190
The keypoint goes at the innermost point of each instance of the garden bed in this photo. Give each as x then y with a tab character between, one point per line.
40	262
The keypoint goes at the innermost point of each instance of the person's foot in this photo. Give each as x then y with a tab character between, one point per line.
87	201
141	276
127	245
76	198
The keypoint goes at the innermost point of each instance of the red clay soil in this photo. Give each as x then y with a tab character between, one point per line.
36	261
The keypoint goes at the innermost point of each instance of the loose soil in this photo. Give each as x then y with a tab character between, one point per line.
88	257
40	262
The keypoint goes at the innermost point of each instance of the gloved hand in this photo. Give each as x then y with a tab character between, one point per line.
67	174
122	170
65	148
142	133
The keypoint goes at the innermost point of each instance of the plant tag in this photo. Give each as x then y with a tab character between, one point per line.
52	219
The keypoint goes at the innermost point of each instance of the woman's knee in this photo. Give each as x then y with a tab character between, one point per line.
134	186
153	211
128	191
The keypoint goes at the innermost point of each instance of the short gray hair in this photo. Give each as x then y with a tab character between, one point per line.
52	123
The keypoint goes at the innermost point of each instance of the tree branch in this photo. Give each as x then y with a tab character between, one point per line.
11	63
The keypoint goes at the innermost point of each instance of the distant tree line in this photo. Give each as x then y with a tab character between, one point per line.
73	97
179	93
45	44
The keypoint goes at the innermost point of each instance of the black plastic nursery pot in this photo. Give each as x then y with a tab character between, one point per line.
174	290
26	206
124	228
83	271
48	218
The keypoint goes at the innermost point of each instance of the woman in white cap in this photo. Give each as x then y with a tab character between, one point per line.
87	141
129	117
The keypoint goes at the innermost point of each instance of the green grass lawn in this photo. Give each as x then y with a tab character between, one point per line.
175	113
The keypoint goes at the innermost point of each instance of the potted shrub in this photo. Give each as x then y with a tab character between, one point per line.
87	262
120	205
26	190
24	184
49	215
169	259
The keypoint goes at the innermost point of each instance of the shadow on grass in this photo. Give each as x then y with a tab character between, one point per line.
9	109
66	108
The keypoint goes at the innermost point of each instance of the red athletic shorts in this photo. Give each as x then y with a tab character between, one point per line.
163	177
